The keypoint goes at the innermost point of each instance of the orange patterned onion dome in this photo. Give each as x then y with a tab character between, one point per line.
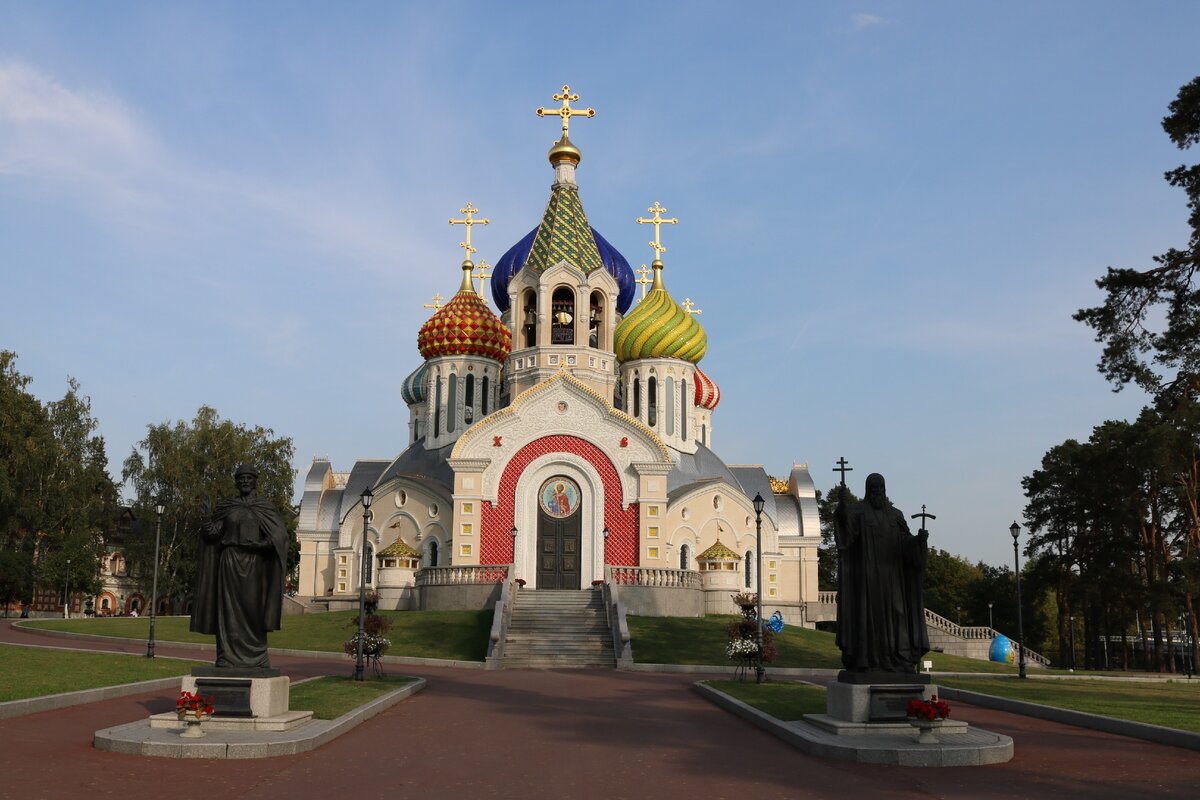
465	327
707	393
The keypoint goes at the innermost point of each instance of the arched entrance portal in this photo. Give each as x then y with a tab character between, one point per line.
559	534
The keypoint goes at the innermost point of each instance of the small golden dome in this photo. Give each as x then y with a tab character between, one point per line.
718	552
563	150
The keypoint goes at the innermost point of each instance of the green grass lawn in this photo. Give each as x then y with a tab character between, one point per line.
785	700
34	672
461	635
1174	705
691	640
330	697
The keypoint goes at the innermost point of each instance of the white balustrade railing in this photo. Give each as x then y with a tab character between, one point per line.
457	576
828	598
655	577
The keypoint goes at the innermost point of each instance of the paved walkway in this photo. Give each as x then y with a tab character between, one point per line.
562	734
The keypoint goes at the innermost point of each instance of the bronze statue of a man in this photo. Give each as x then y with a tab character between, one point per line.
881	571
239	575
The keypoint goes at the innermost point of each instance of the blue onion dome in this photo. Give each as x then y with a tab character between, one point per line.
512	261
413	388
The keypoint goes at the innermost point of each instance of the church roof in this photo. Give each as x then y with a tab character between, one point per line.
465	326
703	466
564	234
707	393
718	552
659	328
515	258
398	549
413	389
421	465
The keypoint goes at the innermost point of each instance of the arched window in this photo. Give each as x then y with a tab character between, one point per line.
431	553
562	316
529	318
369	565
652	401
437	409
452	404
596	319
637	398
469	392
685	556
748	563
669	392
483	396
683	410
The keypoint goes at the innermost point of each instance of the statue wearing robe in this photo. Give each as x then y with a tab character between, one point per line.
239	576
881	571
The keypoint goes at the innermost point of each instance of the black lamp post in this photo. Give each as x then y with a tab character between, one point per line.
760	673
367	497
1015	530
514	535
1071	622
158	512
991	624
606	545
67	591
959	615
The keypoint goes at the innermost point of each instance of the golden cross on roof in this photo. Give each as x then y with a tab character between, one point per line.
438	300
690	307
658	220
643	279
566	112
469	219
481	273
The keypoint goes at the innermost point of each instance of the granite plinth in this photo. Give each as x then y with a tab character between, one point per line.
874	703
280	722
242	697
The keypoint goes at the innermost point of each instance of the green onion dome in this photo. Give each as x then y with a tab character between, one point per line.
658	327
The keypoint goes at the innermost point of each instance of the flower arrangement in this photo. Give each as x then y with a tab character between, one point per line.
743	642
194	705
929	709
521	583
597	583
374	642
740	648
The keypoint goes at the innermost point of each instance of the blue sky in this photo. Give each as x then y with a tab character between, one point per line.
888	212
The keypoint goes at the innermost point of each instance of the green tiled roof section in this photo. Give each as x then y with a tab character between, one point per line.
564	234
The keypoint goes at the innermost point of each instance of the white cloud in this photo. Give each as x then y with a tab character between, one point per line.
860	20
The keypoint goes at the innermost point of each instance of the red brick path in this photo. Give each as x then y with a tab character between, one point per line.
563	734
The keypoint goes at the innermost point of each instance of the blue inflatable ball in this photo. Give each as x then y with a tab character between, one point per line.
1002	650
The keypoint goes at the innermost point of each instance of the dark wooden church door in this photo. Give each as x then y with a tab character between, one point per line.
558	551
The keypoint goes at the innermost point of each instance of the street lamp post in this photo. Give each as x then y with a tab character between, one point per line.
514	535
959	615
760	673
367	497
605	545
991	624
1071	622
1015	530
158	512
67	592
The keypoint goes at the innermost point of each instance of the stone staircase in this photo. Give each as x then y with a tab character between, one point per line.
550	628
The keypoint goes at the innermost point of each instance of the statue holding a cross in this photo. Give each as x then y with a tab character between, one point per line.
881	573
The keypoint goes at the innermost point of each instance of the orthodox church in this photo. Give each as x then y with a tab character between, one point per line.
565	439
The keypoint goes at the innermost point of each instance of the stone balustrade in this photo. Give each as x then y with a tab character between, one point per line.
656	578
458	576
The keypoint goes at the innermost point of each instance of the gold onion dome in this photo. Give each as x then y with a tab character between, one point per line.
563	150
718	552
658	327
465	326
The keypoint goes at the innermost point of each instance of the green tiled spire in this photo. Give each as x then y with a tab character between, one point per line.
564	234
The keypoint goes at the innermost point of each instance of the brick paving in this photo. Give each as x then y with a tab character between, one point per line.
562	734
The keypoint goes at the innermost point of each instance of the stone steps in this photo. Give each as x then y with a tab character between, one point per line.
558	629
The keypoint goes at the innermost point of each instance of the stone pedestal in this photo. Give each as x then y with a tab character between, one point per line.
854	706
247	700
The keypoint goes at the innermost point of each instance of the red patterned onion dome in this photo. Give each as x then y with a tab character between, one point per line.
707	393
465	327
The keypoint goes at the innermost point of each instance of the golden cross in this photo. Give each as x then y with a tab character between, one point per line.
469	219
658	220
566	112
644	280
482	274
437	301
690	307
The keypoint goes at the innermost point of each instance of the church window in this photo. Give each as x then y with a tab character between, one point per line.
469	394
596	320
749	563
369	565
431	553
637	398
669	392
452	404
652	401
483	396
685	554
529	319
704	435
437	410
562	316
683	410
